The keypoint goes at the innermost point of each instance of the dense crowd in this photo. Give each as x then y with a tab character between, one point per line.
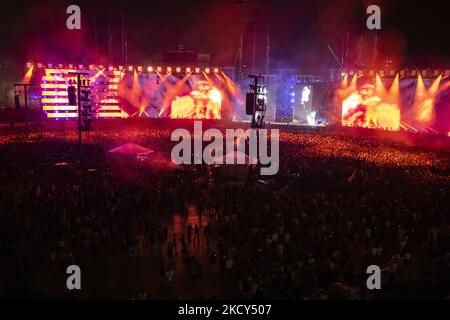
338	204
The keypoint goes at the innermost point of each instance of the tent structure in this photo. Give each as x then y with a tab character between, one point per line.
131	149
131	161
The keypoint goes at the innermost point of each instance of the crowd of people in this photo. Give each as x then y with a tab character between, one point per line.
338	204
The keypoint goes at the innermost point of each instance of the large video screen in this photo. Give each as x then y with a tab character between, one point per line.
171	96
391	103
366	107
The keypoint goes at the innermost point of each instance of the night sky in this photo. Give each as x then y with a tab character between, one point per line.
412	34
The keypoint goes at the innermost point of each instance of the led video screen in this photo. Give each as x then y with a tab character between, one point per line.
170	96
369	106
393	103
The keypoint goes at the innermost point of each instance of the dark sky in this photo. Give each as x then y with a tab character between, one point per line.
412	34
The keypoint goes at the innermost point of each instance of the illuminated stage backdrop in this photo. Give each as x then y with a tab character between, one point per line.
168	92
191	96
392	103
289	101
370	105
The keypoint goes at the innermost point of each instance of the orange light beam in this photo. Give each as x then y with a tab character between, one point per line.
379	87
28	74
172	92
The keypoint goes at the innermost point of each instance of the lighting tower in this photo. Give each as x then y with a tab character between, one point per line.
256	101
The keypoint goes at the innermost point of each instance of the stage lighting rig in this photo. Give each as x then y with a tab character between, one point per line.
84	105
71	94
256	101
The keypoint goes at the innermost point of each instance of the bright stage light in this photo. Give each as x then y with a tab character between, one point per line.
70	66
197	70
207	70
215	96
150	69
139	68
130	68
169	69
216	70
188	69
91	67
49	66
60	65
120	68
80	66
29	64
28	74
39	65
178	69
159	69
423	108
110	68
